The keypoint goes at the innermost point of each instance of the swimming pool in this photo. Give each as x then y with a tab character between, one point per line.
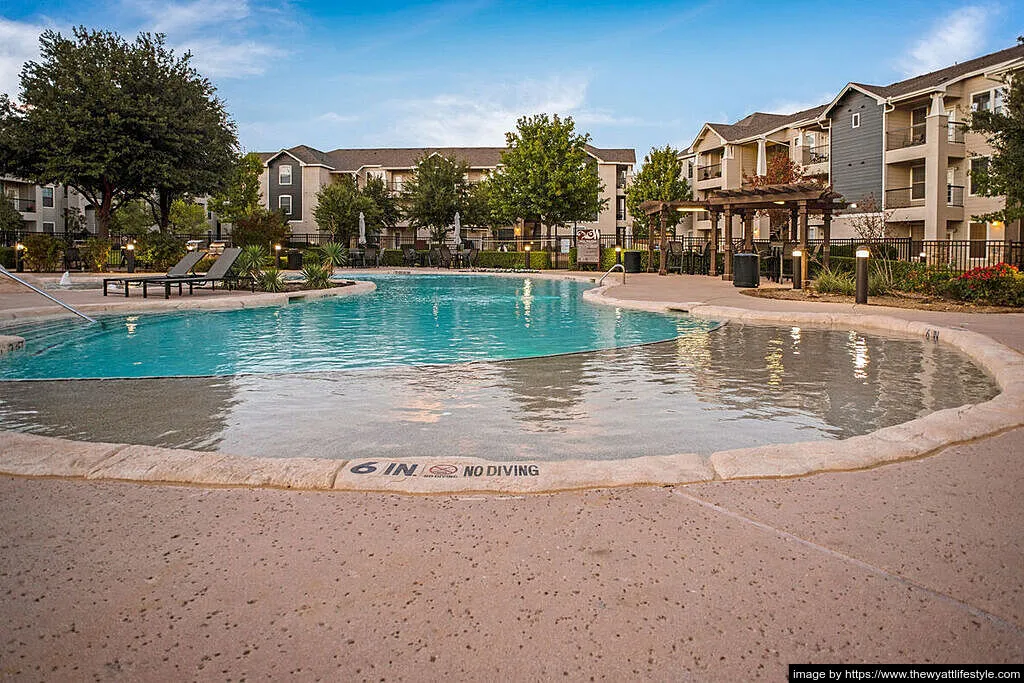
410	320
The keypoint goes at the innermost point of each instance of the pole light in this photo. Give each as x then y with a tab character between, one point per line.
924	257
862	274
19	257
130	256
526	248
277	256
618	253
797	255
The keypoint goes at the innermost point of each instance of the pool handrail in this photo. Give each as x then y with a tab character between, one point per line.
610	270
4	271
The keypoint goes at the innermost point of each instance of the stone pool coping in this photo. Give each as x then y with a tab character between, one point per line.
40	456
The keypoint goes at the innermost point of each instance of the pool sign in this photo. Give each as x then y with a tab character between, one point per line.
443	470
588	246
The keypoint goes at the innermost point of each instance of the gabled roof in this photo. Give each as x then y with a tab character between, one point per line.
351	160
760	123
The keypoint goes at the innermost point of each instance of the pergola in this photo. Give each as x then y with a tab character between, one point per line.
799	199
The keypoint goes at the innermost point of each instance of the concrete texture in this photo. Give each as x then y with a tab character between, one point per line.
917	561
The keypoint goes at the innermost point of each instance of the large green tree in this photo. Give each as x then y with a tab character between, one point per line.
437	190
338	207
1005	132
546	174
114	120
10	217
240	195
660	178
387	212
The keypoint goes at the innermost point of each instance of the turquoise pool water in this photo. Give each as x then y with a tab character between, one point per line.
410	320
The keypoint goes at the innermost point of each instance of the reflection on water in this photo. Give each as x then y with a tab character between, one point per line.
733	387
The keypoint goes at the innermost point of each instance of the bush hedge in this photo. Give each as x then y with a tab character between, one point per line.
7	257
42	252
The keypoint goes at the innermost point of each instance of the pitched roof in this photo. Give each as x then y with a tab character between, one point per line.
351	160
759	123
936	78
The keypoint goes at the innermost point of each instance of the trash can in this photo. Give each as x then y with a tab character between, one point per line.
745	270
294	259
631	261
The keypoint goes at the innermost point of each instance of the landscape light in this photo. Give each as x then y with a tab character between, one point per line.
618	253
862	274
862	252
277	256
797	272
129	257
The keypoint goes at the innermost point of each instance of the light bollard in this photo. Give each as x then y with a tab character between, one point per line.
924	257
797	278
526	257
277	256
129	257
19	257
618	254
862	275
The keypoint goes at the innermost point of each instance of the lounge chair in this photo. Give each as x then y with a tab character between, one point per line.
220	271
445	257
469	260
180	269
371	255
409	256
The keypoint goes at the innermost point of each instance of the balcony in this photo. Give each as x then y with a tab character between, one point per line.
620	181
816	155
954	195
620	215
903	197
24	205
956	132
906	137
709	172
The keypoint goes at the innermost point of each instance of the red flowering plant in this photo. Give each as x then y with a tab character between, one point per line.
1000	285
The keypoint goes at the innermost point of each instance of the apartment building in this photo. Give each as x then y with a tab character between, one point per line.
293	177
45	208
903	148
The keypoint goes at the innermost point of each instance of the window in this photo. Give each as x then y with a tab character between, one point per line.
982	101
979	233
810	139
998	95
48	197
284	202
728	152
797	141
48	227
977	164
855	120
284	174
620	209
917	182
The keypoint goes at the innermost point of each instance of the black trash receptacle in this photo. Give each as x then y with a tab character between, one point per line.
631	261
745	270
294	259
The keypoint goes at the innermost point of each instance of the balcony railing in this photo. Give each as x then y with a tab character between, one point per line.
709	172
906	137
955	195
817	155
620	180
956	131
24	205
902	197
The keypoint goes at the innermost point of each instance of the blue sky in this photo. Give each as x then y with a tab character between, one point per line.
338	74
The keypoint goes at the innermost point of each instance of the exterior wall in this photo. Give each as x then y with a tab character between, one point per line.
295	189
856	153
29	201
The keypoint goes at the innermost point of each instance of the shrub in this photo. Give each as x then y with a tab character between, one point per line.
159	250
392	257
96	253
316	276
332	254
999	285
832	281
921	278
513	260
7	257
270	280
205	263
252	260
42	252
879	283
261	227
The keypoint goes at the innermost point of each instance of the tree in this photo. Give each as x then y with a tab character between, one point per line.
660	179
780	170
437	190
240	195
338	207
482	210
262	227
10	217
870	220
547	174
186	217
114	120
1004	174
134	219
387	212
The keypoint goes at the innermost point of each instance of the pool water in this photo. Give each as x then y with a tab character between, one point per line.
409	320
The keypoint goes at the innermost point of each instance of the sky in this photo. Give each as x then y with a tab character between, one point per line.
417	74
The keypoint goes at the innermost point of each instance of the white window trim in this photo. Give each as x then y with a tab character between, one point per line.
991	92
280	173
799	140
53	197
855	120
970	175
53	227
280	203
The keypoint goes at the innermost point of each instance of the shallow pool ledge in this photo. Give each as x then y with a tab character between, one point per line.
9	343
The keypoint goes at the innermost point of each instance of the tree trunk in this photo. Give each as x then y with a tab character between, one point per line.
164	200
103	212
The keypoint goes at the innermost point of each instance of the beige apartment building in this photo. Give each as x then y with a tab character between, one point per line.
293	177
45	208
903	148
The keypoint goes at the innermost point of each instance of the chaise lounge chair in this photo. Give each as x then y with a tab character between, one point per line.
180	269
409	256
220	271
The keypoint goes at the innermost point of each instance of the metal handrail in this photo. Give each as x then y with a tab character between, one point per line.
4	271
610	270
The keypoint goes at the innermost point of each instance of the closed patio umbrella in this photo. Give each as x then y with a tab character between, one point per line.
458	229
362	228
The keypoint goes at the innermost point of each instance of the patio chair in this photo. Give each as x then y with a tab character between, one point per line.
220	271
445	256
180	269
371	255
675	251
469	261
409	256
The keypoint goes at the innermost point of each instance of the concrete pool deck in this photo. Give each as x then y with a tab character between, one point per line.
914	561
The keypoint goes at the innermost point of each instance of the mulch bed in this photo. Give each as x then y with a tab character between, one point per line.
905	300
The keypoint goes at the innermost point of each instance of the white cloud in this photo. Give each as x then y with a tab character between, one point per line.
172	18
217	58
793	106
19	43
954	38
335	118
483	118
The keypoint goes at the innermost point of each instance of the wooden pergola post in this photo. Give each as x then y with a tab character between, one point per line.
727	275
748	231
793	217
713	265
802	209
663	261
826	238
